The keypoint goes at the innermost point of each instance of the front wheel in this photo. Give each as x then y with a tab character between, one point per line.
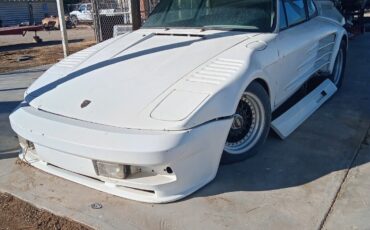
250	127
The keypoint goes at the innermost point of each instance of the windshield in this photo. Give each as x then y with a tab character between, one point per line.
256	15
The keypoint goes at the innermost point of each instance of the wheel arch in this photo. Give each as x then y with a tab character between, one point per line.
345	39
243	150
265	84
342	36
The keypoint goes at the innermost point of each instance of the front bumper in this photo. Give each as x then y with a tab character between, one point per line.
67	148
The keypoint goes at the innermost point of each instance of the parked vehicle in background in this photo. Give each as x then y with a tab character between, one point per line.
83	14
150	115
53	23
354	13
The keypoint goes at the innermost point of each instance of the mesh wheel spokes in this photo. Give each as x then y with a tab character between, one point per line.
247	127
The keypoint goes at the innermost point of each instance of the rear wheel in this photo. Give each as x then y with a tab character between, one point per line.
340	62
250	126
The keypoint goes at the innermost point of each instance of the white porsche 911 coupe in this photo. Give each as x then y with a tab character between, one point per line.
149	115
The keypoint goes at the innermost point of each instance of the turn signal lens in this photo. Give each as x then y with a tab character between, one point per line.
114	170
121	171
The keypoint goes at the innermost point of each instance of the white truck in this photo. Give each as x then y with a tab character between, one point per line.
82	14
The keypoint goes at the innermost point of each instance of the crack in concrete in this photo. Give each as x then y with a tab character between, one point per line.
327	214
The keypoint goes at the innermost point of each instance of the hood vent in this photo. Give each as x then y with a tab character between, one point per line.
216	72
180	35
77	58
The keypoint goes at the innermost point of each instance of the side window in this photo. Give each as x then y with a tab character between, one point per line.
295	11
82	8
311	8
89	7
282	17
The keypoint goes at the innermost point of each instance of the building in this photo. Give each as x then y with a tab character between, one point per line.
16	12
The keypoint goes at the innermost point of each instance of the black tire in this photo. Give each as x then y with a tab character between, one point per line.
46	27
254	103
340	62
74	20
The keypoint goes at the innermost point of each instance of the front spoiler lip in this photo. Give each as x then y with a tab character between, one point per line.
194	154
120	191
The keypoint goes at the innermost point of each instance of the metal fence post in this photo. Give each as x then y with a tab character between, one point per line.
96	20
62	25
135	12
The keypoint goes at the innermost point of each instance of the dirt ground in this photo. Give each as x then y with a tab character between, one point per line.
17	214
81	33
39	55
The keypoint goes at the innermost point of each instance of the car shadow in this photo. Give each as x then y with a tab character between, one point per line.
9	154
8	139
13	89
327	142
27	71
6	107
297	161
280	165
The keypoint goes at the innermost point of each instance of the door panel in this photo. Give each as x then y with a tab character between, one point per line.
294	47
298	54
305	49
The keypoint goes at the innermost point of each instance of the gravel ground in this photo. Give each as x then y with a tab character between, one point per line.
15	47
42	55
81	33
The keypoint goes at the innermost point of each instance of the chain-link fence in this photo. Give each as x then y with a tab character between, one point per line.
116	15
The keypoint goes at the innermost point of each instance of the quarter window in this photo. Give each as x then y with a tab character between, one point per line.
295	11
282	20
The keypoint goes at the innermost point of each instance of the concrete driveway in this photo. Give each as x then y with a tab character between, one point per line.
316	179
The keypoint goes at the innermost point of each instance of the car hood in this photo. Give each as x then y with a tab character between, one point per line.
114	82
